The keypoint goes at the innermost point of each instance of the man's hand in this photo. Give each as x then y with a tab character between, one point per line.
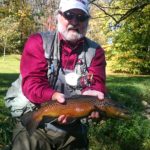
58	97
61	99
100	96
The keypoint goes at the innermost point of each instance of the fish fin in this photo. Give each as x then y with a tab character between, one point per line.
29	123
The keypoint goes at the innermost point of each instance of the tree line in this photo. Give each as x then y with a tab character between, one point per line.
121	26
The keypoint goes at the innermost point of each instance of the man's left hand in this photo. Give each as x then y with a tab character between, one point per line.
100	96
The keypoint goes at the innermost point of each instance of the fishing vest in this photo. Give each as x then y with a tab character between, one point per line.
19	104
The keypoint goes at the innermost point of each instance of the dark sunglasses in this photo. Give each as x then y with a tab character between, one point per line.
70	15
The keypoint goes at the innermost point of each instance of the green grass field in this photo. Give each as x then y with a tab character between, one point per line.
9	69
111	134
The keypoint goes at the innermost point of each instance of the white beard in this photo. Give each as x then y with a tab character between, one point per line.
69	35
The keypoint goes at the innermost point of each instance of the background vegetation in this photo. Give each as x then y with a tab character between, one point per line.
9	69
130	90
123	29
133	134
121	26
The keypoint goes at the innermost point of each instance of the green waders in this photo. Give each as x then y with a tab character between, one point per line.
47	139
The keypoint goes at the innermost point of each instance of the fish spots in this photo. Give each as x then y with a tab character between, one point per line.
79	109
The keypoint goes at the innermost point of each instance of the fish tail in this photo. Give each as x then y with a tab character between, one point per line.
29	123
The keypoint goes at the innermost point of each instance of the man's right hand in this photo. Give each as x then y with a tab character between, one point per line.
62	119
58	97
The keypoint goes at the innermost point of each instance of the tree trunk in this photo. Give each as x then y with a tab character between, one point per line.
4	52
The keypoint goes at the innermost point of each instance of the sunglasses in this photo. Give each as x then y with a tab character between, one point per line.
70	15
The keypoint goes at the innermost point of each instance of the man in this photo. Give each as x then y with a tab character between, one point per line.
81	70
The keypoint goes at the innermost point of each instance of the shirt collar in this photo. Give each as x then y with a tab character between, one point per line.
64	42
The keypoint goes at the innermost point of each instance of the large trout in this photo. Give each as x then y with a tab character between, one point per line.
76	107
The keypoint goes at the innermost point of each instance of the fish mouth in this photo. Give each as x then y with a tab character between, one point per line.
125	114
119	112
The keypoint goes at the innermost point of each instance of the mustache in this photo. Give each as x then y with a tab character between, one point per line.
72	27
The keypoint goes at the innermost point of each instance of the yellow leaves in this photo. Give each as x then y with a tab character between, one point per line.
22	13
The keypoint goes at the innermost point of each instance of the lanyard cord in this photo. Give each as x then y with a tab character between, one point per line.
54	60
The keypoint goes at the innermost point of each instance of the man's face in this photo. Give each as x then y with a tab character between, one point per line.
72	24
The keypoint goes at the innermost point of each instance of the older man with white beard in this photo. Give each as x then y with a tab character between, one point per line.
80	70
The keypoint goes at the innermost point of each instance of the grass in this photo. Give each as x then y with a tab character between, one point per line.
9	69
110	134
133	134
9	64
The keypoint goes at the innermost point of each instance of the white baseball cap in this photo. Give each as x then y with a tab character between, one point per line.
66	5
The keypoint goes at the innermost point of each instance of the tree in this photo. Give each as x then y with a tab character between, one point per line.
119	10
16	25
123	29
130	50
9	34
43	13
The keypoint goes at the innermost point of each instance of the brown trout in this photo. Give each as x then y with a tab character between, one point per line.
77	108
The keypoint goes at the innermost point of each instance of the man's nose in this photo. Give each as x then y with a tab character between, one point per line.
74	21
